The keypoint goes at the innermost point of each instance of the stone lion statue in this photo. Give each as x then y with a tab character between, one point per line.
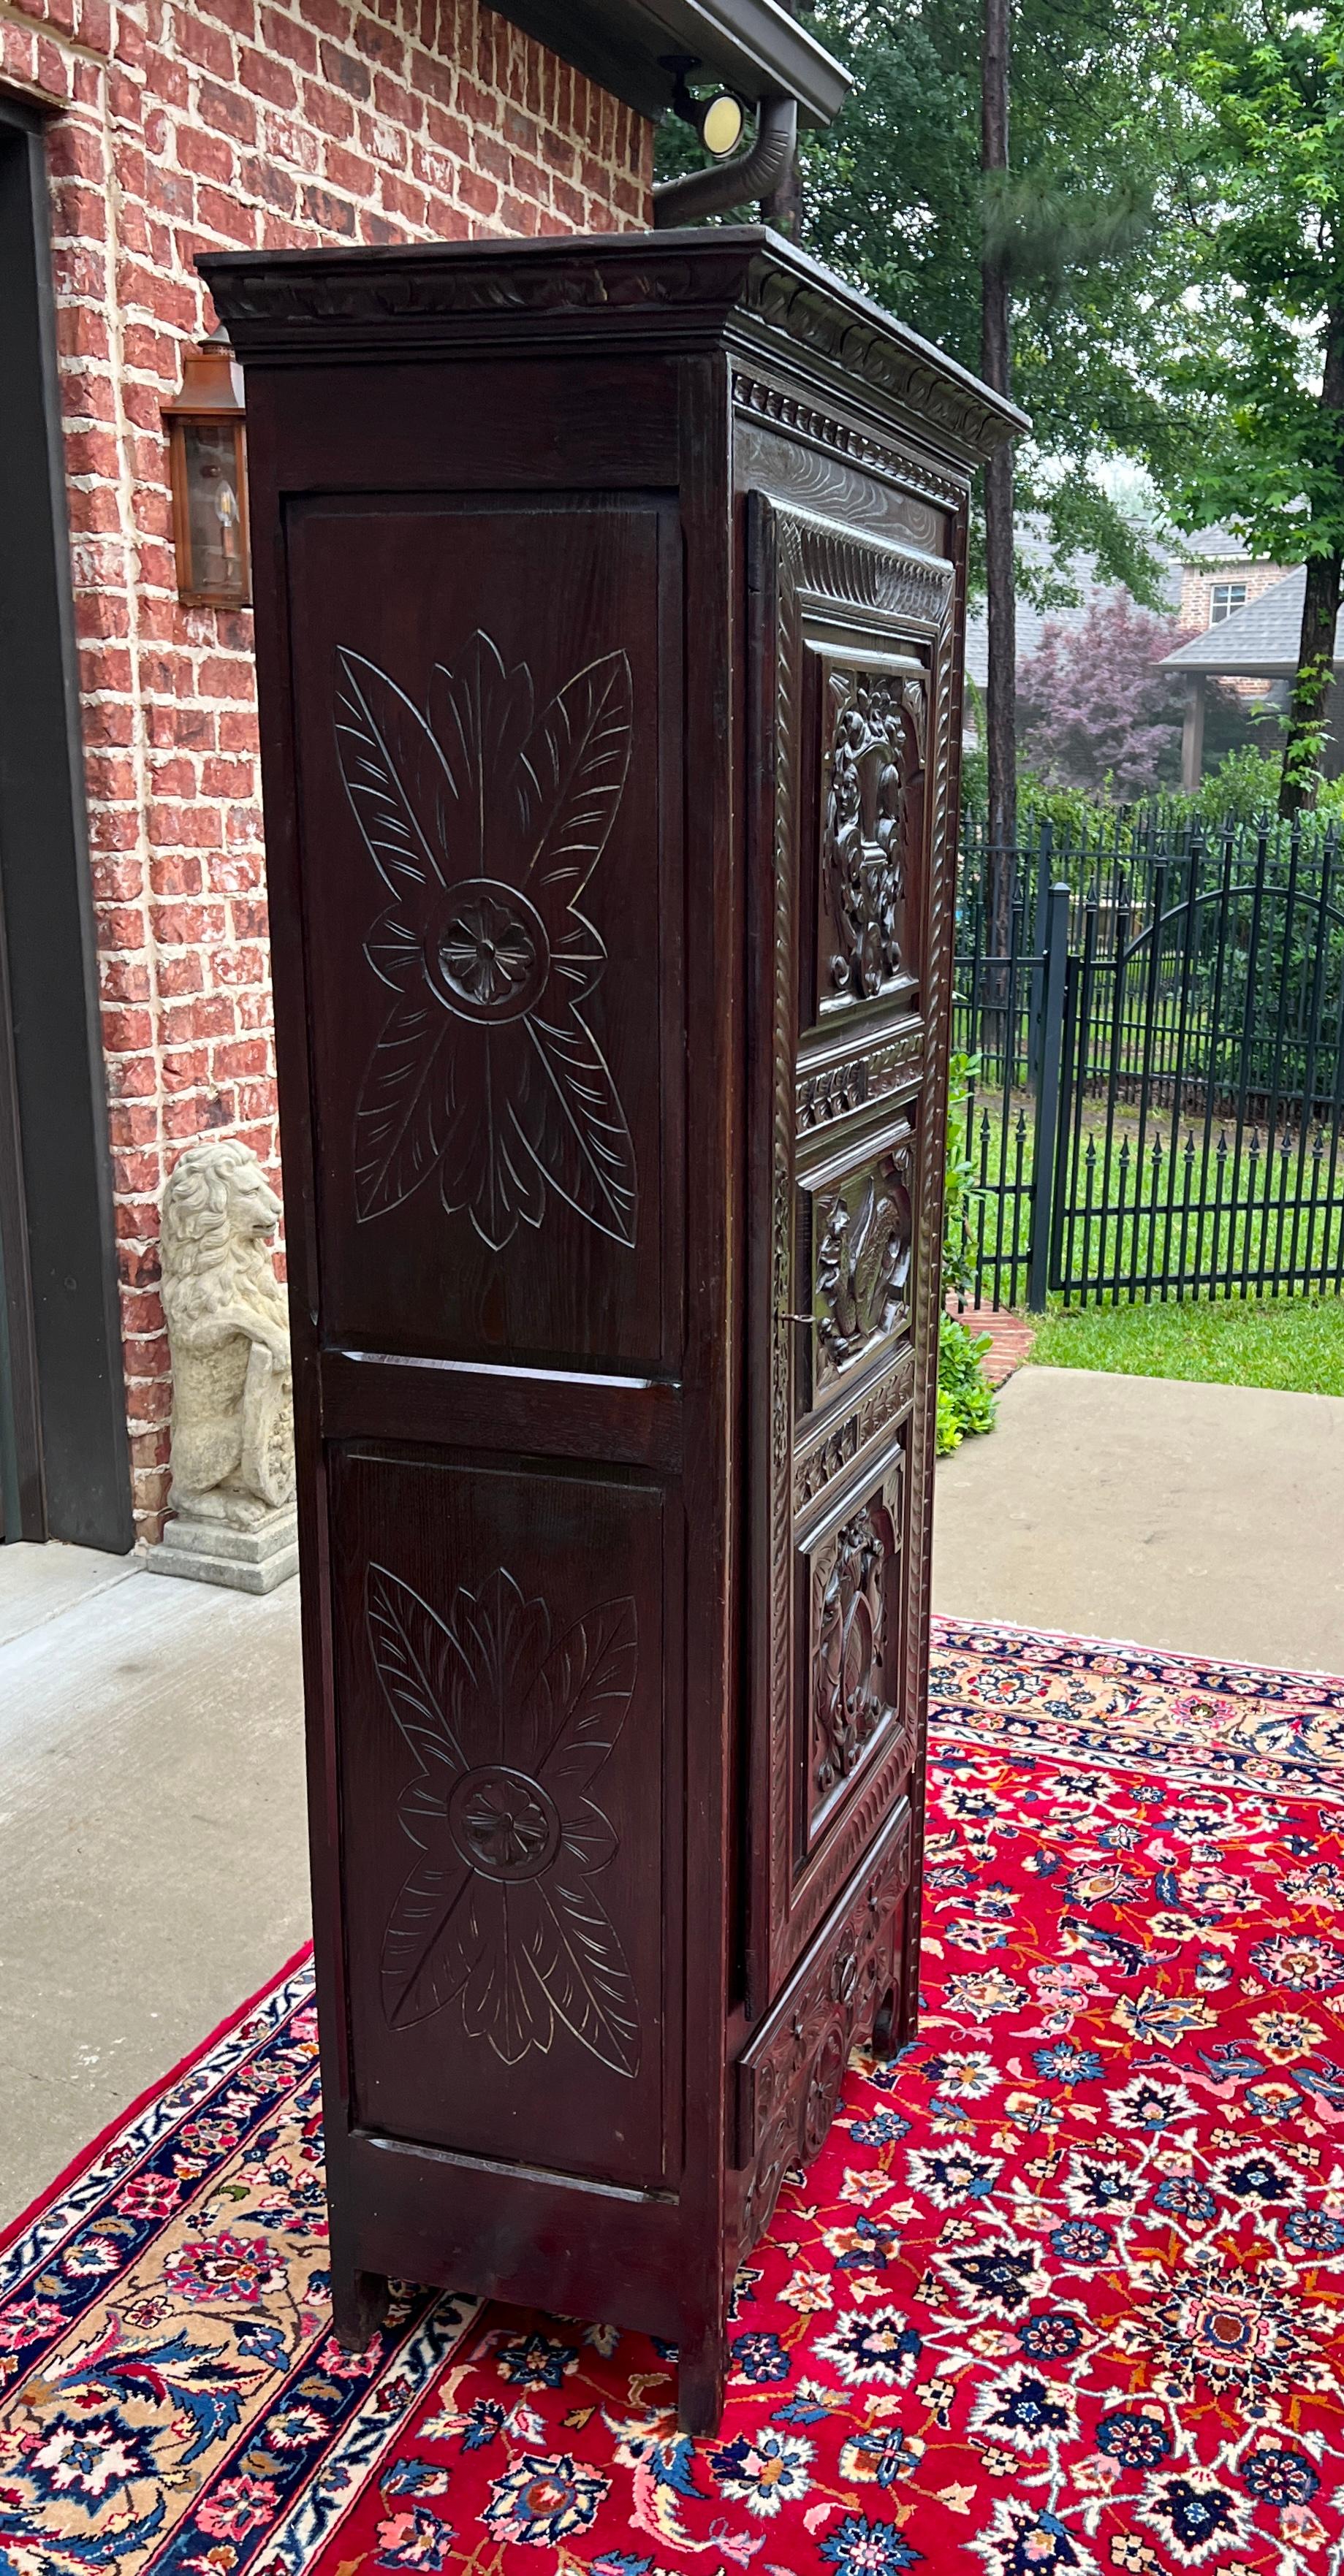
228	1335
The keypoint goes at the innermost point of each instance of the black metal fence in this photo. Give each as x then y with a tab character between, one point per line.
1156	1017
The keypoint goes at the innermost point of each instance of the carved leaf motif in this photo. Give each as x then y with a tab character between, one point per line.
396	777
414	1654
498	1636
573	1126
576	763
432	1942
508	1731
577	1705
393	950
486	827
482	715
580	1965
401	1116
485	1165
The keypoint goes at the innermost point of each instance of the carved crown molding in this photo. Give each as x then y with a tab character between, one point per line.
688	288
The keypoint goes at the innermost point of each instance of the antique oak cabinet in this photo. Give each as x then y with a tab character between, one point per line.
609	617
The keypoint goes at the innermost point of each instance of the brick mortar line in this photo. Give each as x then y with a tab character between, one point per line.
126	488
11	16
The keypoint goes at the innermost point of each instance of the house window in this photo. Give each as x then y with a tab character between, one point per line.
1224	596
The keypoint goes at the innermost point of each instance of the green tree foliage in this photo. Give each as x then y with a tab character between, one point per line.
1252	432
895	200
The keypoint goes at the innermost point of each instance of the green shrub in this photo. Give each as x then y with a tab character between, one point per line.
966	1401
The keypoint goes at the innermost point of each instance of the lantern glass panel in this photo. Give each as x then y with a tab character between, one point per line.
214	508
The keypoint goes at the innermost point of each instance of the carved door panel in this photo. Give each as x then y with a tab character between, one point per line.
483	762
507	1783
851	666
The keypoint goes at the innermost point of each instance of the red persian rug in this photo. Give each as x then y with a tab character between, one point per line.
1065	2289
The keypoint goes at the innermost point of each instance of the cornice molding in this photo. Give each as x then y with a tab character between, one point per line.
741	288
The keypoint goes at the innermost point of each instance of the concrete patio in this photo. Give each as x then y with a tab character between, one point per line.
152	1861
1208	1519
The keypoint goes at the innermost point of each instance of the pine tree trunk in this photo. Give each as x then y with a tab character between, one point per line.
996	367
1320	614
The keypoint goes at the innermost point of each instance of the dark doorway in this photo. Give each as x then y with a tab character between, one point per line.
64	1457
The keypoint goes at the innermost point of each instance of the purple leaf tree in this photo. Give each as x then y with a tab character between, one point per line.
1093	702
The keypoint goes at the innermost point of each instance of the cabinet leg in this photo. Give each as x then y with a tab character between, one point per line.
359	2303
702	2365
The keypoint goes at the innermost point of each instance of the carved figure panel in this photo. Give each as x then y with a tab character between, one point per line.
485	823
854	1680
862	1235
872	773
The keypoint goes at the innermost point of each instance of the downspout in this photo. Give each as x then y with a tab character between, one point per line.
753	174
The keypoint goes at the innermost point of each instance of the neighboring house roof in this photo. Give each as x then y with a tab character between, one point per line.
1260	640
752	46
1031	621
1217	545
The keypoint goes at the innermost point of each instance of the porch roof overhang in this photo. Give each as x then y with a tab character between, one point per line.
1257	642
752	46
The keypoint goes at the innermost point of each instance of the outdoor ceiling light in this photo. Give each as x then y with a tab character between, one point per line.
719	120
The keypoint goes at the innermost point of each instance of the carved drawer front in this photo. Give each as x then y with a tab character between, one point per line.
789	2078
855	1257
873	722
509	1787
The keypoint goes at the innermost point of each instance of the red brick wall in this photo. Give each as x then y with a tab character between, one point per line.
191	124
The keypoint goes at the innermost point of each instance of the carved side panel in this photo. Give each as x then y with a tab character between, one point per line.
789	2078
854	647
875	733
859	1226
854	1683
504	1804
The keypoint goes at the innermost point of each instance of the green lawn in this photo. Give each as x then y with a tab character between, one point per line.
1149	1213
1270	1341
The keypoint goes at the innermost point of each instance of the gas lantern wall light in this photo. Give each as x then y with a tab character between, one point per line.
207	462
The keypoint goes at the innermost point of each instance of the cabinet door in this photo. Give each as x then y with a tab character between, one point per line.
487	697
852	689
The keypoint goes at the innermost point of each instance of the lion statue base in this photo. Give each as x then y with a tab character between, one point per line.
232	1496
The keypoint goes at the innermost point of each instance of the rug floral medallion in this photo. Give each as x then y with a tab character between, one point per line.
1063	2291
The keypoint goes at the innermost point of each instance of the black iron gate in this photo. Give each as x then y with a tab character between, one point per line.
1157	1103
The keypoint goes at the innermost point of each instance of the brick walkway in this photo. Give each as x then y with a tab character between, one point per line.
1011	1338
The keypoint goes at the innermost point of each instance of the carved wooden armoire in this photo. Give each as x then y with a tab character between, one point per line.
609	628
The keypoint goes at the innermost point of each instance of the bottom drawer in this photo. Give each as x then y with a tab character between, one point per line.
790	2074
